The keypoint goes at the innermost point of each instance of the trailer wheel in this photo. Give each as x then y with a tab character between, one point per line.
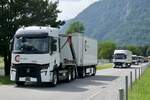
20	83
83	73
55	79
94	71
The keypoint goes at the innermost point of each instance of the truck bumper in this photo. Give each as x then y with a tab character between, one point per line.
32	73
118	63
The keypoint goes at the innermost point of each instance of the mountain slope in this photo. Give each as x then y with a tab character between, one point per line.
121	21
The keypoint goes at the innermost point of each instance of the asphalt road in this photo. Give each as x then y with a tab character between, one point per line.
103	86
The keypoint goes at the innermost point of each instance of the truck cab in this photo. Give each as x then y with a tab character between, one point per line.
122	58
35	55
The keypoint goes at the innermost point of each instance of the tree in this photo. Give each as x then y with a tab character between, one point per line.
75	27
106	50
144	50
16	13
148	52
135	50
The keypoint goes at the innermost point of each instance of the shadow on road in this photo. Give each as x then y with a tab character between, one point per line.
79	85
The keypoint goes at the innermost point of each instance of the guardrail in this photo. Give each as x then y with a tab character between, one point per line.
123	93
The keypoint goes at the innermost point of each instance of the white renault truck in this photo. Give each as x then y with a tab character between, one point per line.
122	58
41	54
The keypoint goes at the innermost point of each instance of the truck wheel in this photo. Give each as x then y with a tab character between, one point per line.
124	65
129	65
94	71
55	79
69	77
83	73
20	83
73	74
114	66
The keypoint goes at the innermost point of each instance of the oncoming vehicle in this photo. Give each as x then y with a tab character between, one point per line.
140	59
122	58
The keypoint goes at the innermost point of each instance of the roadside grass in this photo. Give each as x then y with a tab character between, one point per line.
1	63
5	80
104	66
141	88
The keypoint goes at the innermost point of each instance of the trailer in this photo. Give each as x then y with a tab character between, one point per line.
83	53
42	55
122	58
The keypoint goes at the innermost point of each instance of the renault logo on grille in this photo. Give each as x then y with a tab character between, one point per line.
28	70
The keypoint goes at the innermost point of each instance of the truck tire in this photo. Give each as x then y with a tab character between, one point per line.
73	76
114	66
69	77
94	71
55	79
20	83
83	73
124	65
129	65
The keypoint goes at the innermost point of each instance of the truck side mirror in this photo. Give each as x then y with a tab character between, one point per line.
53	45
54	41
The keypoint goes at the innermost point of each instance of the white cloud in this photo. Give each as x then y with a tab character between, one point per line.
71	8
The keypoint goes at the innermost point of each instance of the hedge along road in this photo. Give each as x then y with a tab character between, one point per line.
103	86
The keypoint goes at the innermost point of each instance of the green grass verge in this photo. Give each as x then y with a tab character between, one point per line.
5	80
1	63
141	88
105	66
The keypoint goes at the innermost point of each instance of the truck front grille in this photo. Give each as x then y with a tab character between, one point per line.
29	70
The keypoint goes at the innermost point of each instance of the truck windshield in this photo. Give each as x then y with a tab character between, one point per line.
134	58
119	56
31	45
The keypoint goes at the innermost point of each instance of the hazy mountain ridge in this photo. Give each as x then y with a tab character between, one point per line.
121	21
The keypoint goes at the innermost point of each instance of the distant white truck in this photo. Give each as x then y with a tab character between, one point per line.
122	58
40	54
140	59
135	59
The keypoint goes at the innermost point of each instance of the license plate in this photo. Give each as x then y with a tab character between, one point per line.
28	79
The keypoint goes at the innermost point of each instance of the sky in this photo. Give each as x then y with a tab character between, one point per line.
71	8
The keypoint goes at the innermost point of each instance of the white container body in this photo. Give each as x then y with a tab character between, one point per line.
85	50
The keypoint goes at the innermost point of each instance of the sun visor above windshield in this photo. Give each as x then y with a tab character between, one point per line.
32	35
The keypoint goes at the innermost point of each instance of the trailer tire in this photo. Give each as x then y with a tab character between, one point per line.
94	71
20	83
83	73
55	79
